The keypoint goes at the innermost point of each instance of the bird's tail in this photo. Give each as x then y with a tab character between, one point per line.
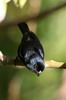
23	27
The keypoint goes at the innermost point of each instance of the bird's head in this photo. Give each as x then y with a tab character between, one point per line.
39	67
36	64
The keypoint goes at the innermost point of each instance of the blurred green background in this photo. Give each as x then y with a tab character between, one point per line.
21	84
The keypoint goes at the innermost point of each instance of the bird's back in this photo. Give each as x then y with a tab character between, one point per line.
31	43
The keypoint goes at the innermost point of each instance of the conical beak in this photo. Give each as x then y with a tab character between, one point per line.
38	73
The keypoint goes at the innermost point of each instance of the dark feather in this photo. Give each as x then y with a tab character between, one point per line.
30	50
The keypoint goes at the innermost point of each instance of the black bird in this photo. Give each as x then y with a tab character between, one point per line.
30	50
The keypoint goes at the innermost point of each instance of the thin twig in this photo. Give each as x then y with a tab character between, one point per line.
11	61
33	17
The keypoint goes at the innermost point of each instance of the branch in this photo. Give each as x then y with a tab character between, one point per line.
36	16
11	61
4	60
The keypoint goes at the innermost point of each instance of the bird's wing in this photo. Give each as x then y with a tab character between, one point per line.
37	45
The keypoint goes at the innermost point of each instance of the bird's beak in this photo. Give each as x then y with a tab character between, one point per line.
38	73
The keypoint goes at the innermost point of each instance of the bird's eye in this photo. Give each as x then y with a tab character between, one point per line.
38	68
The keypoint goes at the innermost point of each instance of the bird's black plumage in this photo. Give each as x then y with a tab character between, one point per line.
30	50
